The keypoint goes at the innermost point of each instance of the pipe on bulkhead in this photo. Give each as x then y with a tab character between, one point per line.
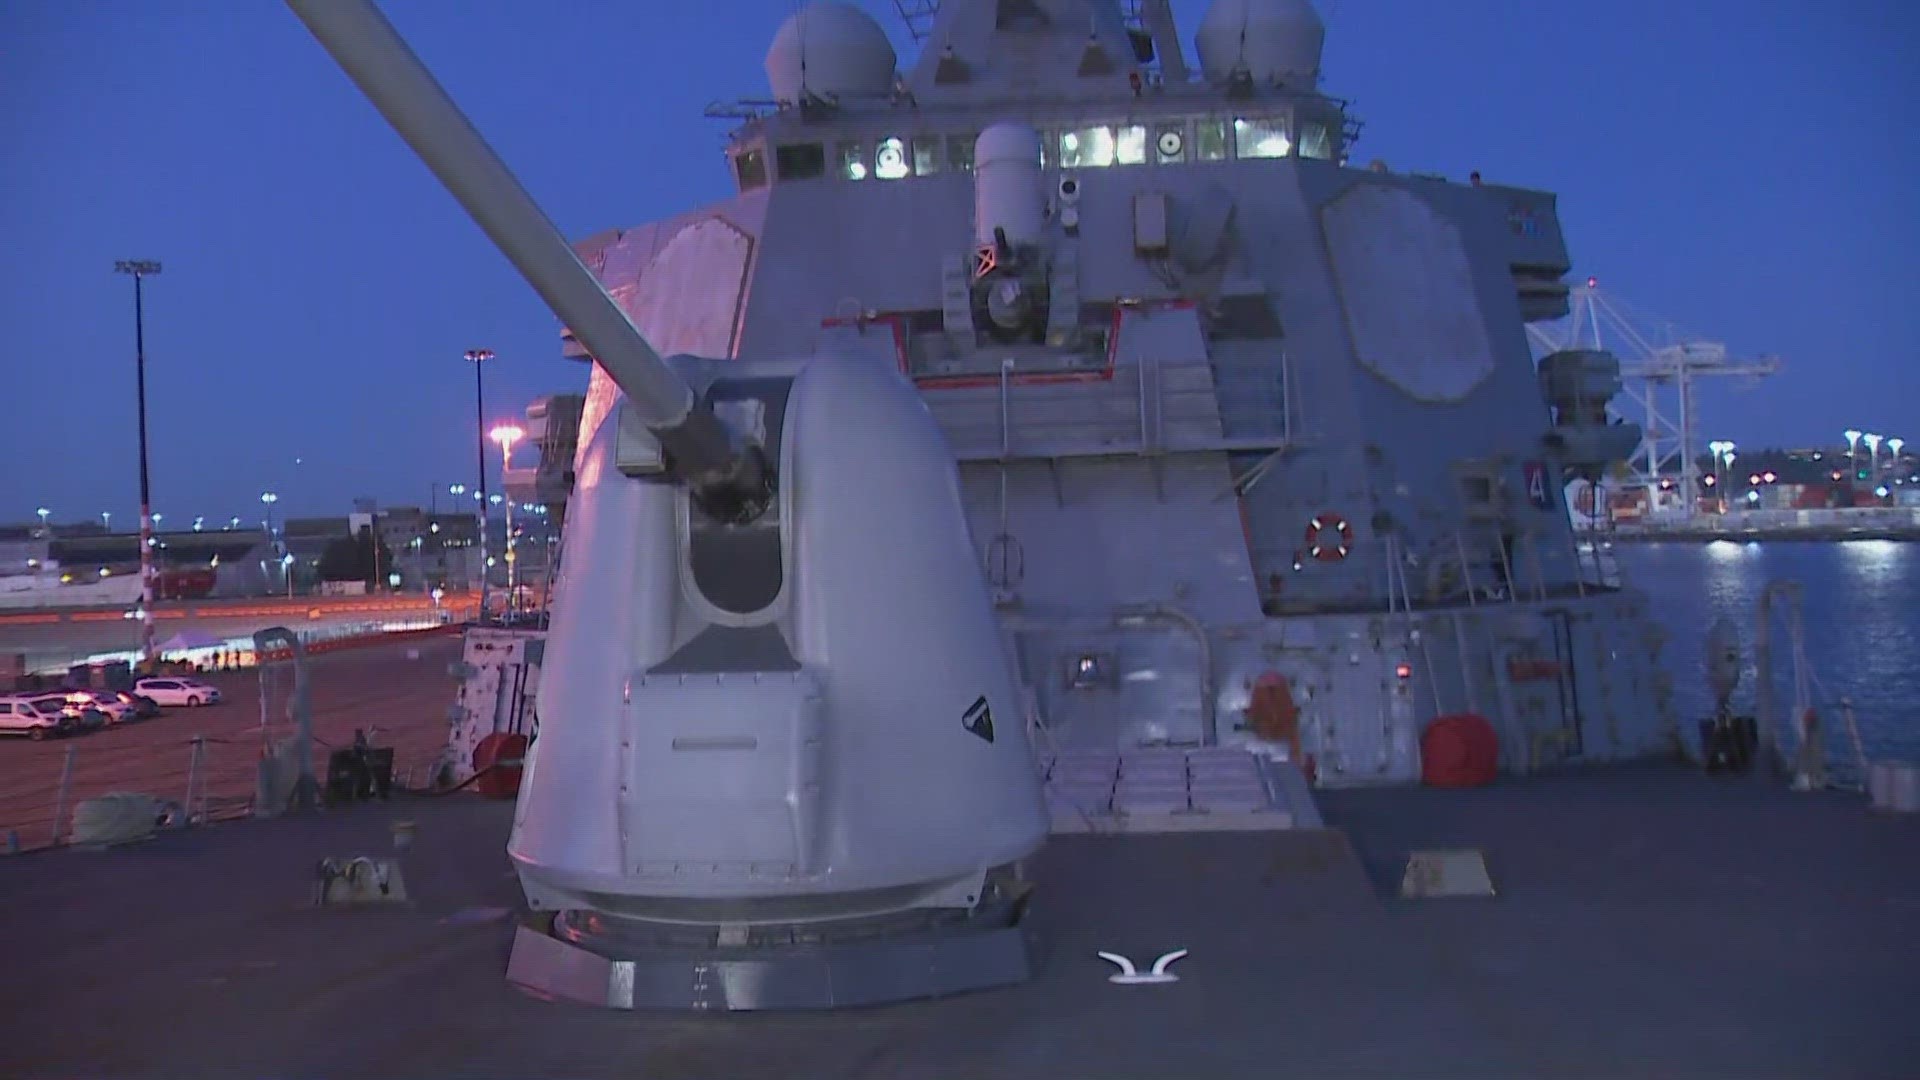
1143	614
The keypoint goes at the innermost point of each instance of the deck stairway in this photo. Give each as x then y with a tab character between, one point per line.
1159	790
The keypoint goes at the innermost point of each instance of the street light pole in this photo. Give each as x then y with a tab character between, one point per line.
140	268
506	435
267	499
478	358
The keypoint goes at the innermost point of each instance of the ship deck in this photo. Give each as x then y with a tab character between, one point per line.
1648	923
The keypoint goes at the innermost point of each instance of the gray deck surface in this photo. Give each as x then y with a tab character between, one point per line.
1649	924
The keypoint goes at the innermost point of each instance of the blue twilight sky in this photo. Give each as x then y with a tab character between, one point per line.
1746	168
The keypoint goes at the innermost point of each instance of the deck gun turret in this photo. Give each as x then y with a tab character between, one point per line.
781	760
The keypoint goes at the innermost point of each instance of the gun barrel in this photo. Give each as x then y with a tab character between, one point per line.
372	53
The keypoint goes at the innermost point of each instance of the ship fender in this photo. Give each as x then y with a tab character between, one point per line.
1460	750
1329	537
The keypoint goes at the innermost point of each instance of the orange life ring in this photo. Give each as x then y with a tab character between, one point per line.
1326	549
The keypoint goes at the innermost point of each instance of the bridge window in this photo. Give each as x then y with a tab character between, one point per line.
960	152
800	161
1086	148
1210	140
1130	145
1262	138
926	155
750	168
1314	142
890	158
853	161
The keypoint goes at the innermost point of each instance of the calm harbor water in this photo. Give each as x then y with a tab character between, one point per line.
1861	611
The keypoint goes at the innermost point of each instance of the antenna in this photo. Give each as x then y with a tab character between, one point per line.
918	16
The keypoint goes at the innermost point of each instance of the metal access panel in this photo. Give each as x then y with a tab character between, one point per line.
1150	223
721	776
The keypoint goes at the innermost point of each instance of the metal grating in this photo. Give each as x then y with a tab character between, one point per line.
1203	789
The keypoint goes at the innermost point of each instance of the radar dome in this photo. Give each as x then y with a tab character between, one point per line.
1269	39
832	50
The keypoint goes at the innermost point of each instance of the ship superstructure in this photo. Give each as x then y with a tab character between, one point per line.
1234	412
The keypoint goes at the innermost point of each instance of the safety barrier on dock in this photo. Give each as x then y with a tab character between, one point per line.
202	764
284	609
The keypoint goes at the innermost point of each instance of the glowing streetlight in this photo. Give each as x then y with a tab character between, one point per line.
44	515
1894	444
233	522
198	522
1853	440
506	435
267	499
106	520
1873	453
1721	450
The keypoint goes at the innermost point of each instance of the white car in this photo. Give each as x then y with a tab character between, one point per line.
20	714
189	692
117	711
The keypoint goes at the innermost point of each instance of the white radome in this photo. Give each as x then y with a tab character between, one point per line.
831	50
1271	40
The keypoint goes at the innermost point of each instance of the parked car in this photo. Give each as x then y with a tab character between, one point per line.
21	714
175	691
144	708
106	701
80	717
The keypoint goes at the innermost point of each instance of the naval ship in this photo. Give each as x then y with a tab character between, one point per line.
1262	486
1233	411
